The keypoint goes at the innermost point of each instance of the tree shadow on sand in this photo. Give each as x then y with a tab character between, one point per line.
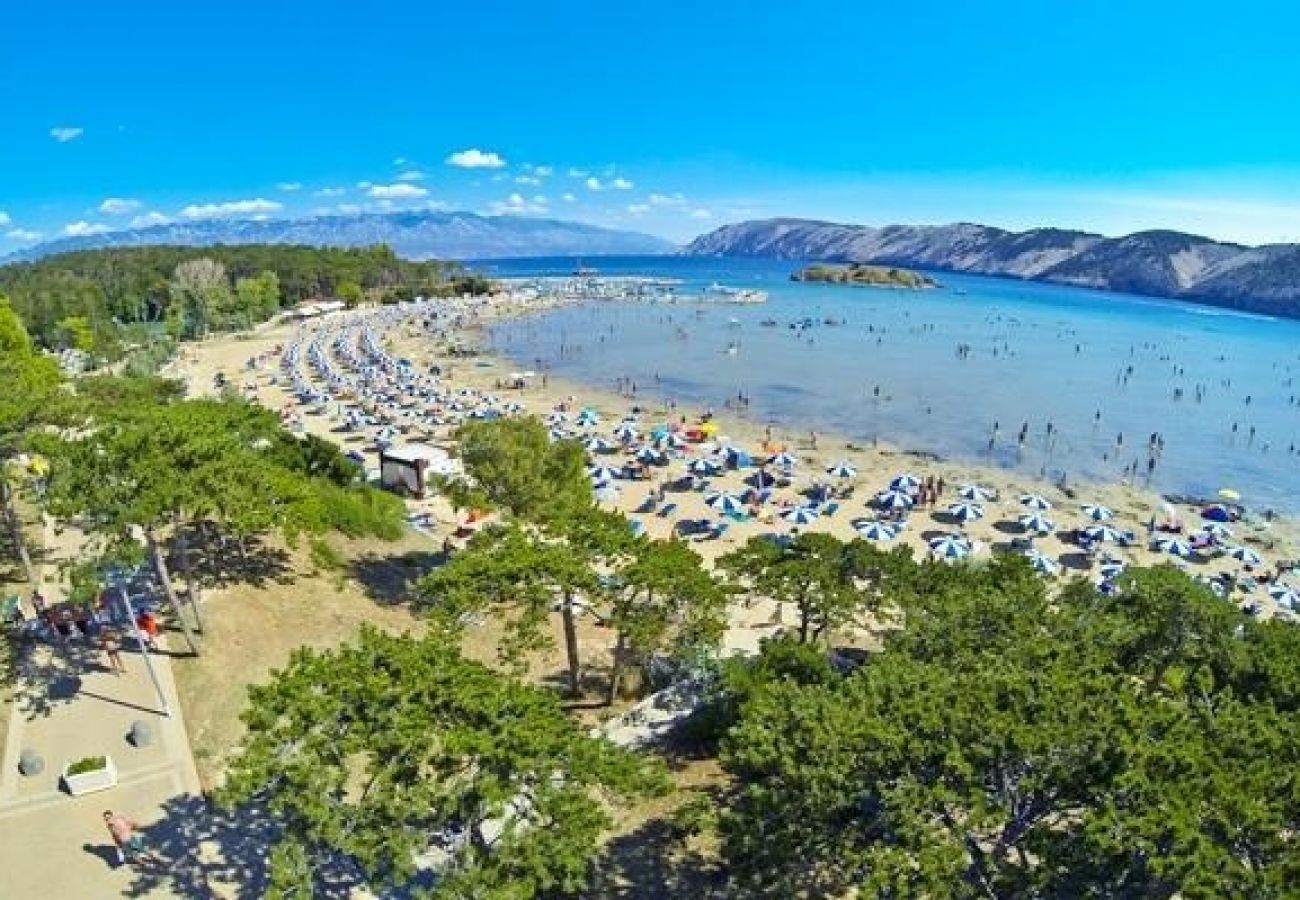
52	674
652	861
390	579
220	559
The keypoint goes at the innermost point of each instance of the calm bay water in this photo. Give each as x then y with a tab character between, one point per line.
1102	369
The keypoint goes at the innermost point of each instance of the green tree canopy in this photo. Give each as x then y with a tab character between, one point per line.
515	466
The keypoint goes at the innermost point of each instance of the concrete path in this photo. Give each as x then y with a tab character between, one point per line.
69	704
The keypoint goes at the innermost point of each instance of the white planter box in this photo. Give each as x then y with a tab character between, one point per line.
89	782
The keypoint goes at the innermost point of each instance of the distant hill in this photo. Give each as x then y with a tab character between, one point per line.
1156	263
415	235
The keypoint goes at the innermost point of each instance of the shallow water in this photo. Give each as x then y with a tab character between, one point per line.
1038	355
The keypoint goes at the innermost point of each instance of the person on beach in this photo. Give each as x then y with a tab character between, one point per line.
126	839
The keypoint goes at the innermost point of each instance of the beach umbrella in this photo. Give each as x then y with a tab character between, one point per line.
784	460
556	418
602	474
1246	555
904	482
606	492
597	444
1216	530
559	434
669	440
894	500
1035	501
637	526
1284	595
1174	547
625	432
1037	522
949	546
966	512
735	457
1041	562
1111	570
649	455
761	479
724	502
800	515
842	469
1216	513
1229	494
1097	512
587	418
1102	533
974	493
875	531
704	466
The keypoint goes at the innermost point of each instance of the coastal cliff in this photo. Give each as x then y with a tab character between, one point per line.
1156	263
866	276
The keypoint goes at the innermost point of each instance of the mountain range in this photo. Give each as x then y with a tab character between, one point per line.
1172	264
415	235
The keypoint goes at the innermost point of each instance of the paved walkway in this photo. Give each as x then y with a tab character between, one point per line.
68	705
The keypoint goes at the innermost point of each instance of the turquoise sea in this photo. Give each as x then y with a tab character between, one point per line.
1090	376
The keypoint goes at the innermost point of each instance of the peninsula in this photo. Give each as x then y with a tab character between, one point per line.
868	276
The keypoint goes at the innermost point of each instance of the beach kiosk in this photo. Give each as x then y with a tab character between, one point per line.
406	469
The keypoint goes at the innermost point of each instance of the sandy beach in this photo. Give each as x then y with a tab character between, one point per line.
251	363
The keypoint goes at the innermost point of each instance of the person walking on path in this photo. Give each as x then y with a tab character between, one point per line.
112	649
128	841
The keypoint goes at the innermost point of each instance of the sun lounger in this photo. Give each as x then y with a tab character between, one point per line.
667	509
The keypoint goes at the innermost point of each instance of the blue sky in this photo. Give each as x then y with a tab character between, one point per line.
669	118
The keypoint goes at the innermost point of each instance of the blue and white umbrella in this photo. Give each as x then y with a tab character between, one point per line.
724	503
875	531
1284	595
1246	555
704	466
966	512
1037	522
1097	512
784	460
1174	547
602	474
1102	533
556	418
587	418
894	500
649	455
904	482
974	493
734	456
1217	530
625	432
841	469
559	434
669	440
949	546
1042	562
1035	501
606	492
597	444
1111	570
800	515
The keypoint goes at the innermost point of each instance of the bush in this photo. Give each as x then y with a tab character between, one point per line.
88	764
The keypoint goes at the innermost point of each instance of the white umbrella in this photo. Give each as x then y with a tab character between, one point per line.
1111	570
800	515
724	502
1036	521
598	444
904	482
1216	530
1246	555
966	512
949	546
1035	501
625	432
974	493
1284	595
1097	512
602	473
842	469
649	455
607	492
559	434
670	440
875	531
1174	547
894	500
1042	562
784	460
1102	533
704	467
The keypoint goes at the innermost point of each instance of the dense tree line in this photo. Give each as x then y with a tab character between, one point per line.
72	299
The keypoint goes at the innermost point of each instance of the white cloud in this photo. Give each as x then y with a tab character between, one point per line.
402	191
331	192
290	186
516	204
347	209
411	175
399	161
119	206
667	200
232	209
474	158
65	134
527	179
578	173
622	184
4	219
701	214
593	183
22	234
145	220
569	198
82	228
543	171
638	209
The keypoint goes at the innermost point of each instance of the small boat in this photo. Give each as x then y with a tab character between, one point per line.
733	348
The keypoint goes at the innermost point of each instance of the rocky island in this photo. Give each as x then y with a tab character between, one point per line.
859	274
